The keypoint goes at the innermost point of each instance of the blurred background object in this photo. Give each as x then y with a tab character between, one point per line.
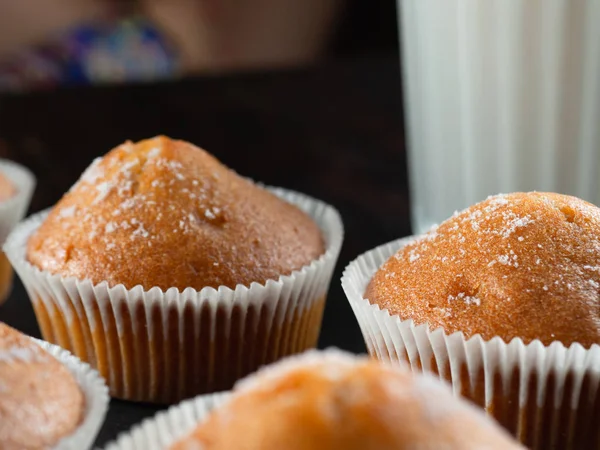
77	42
504	97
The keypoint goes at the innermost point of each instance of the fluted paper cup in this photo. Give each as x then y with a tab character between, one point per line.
11	212
500	96
547	396
95	394
164	346
167	427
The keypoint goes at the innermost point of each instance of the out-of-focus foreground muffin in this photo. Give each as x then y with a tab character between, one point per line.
331	400
183	276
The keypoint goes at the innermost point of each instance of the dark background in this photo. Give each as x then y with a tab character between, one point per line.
333	131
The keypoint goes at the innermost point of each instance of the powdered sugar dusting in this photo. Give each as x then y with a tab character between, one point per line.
67	212
103	189
492	249
513	222
413	255
116	181
22	354
140	231
467	299
482	221
155	152
110	227
92	173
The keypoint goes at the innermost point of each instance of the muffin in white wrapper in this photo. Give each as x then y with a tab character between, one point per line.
547	396
12	211
164	429
95	394
323	400
164	346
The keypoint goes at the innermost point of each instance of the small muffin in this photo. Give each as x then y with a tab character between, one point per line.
333	401
165	213
174	276
524	265
40	401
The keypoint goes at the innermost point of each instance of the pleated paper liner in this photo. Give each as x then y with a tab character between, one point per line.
546	396
164	346
95	394
167	427
11	212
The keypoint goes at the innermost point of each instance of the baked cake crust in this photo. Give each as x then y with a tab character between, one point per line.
521	265
165	213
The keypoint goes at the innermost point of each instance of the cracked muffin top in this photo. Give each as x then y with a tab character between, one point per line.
165	213
522	265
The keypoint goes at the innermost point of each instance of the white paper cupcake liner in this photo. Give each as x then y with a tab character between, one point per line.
11	212
95	394
167	427
547	396
164	346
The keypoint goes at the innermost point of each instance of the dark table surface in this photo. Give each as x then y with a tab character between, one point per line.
333	132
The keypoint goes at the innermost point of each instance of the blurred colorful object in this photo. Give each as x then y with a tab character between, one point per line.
124	50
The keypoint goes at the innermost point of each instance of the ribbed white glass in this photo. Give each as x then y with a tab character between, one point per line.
500	96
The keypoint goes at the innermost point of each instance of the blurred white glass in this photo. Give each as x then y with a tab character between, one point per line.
500	96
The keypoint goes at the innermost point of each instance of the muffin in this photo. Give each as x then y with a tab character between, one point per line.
174	276
330	400
501	299
16	188
34	385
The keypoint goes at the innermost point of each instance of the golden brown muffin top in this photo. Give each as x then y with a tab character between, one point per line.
331	401
40	401
7	188
165	213
521	265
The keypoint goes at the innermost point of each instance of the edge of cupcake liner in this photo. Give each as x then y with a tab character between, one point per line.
462	361
12	210
24	182
167	427
96	398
